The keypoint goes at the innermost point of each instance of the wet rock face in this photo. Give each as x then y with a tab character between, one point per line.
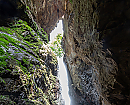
83	53
96	45
115	34
28	67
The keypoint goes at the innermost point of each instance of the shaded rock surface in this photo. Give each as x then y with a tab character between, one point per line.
115	37
96	45
46	12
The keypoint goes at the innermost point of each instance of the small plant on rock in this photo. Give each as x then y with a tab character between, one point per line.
56	46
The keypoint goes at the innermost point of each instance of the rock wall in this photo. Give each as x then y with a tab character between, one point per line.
96	45
114	33
82	51
46	12
28	67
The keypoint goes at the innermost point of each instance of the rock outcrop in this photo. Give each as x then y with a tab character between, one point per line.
46	12
96	45
95	42
28	67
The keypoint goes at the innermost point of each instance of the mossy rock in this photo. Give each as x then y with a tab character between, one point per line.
23	67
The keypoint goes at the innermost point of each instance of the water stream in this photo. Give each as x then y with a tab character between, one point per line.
63	77
62	74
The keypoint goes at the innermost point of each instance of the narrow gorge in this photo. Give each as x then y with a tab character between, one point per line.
95	49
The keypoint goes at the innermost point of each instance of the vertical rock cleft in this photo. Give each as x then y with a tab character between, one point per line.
46	12
96	44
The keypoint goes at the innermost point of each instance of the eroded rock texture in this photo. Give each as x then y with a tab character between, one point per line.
115	29
96	44
46	12
28	67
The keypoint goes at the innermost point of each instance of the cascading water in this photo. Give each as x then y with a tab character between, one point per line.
63	77
62	74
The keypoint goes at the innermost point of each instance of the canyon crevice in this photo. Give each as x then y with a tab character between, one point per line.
96	45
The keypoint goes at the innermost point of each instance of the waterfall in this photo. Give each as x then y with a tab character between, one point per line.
62	74
63	77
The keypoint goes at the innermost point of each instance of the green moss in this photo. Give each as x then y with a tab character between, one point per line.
22	26
71	1
25	68
28	7
7	30
2	81
5	100
26	63
2	52
8	70
5	40
3	63
44	36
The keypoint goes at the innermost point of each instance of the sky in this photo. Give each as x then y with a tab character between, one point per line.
56	31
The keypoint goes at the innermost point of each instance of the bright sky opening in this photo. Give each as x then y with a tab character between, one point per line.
56	31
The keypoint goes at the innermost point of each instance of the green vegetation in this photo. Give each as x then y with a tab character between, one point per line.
56	46
70	1
46	36
20	45
21	26
22	31
3	63
6	30
5	40
28	7
1	51
5	100
1	80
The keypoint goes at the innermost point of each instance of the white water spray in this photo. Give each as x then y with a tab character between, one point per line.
63	76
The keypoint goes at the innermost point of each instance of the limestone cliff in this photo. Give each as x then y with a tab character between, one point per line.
46	12
28	67
96	45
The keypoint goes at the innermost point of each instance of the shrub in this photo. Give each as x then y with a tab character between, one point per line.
56	46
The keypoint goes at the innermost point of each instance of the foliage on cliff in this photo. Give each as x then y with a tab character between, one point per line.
28	67
56	46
